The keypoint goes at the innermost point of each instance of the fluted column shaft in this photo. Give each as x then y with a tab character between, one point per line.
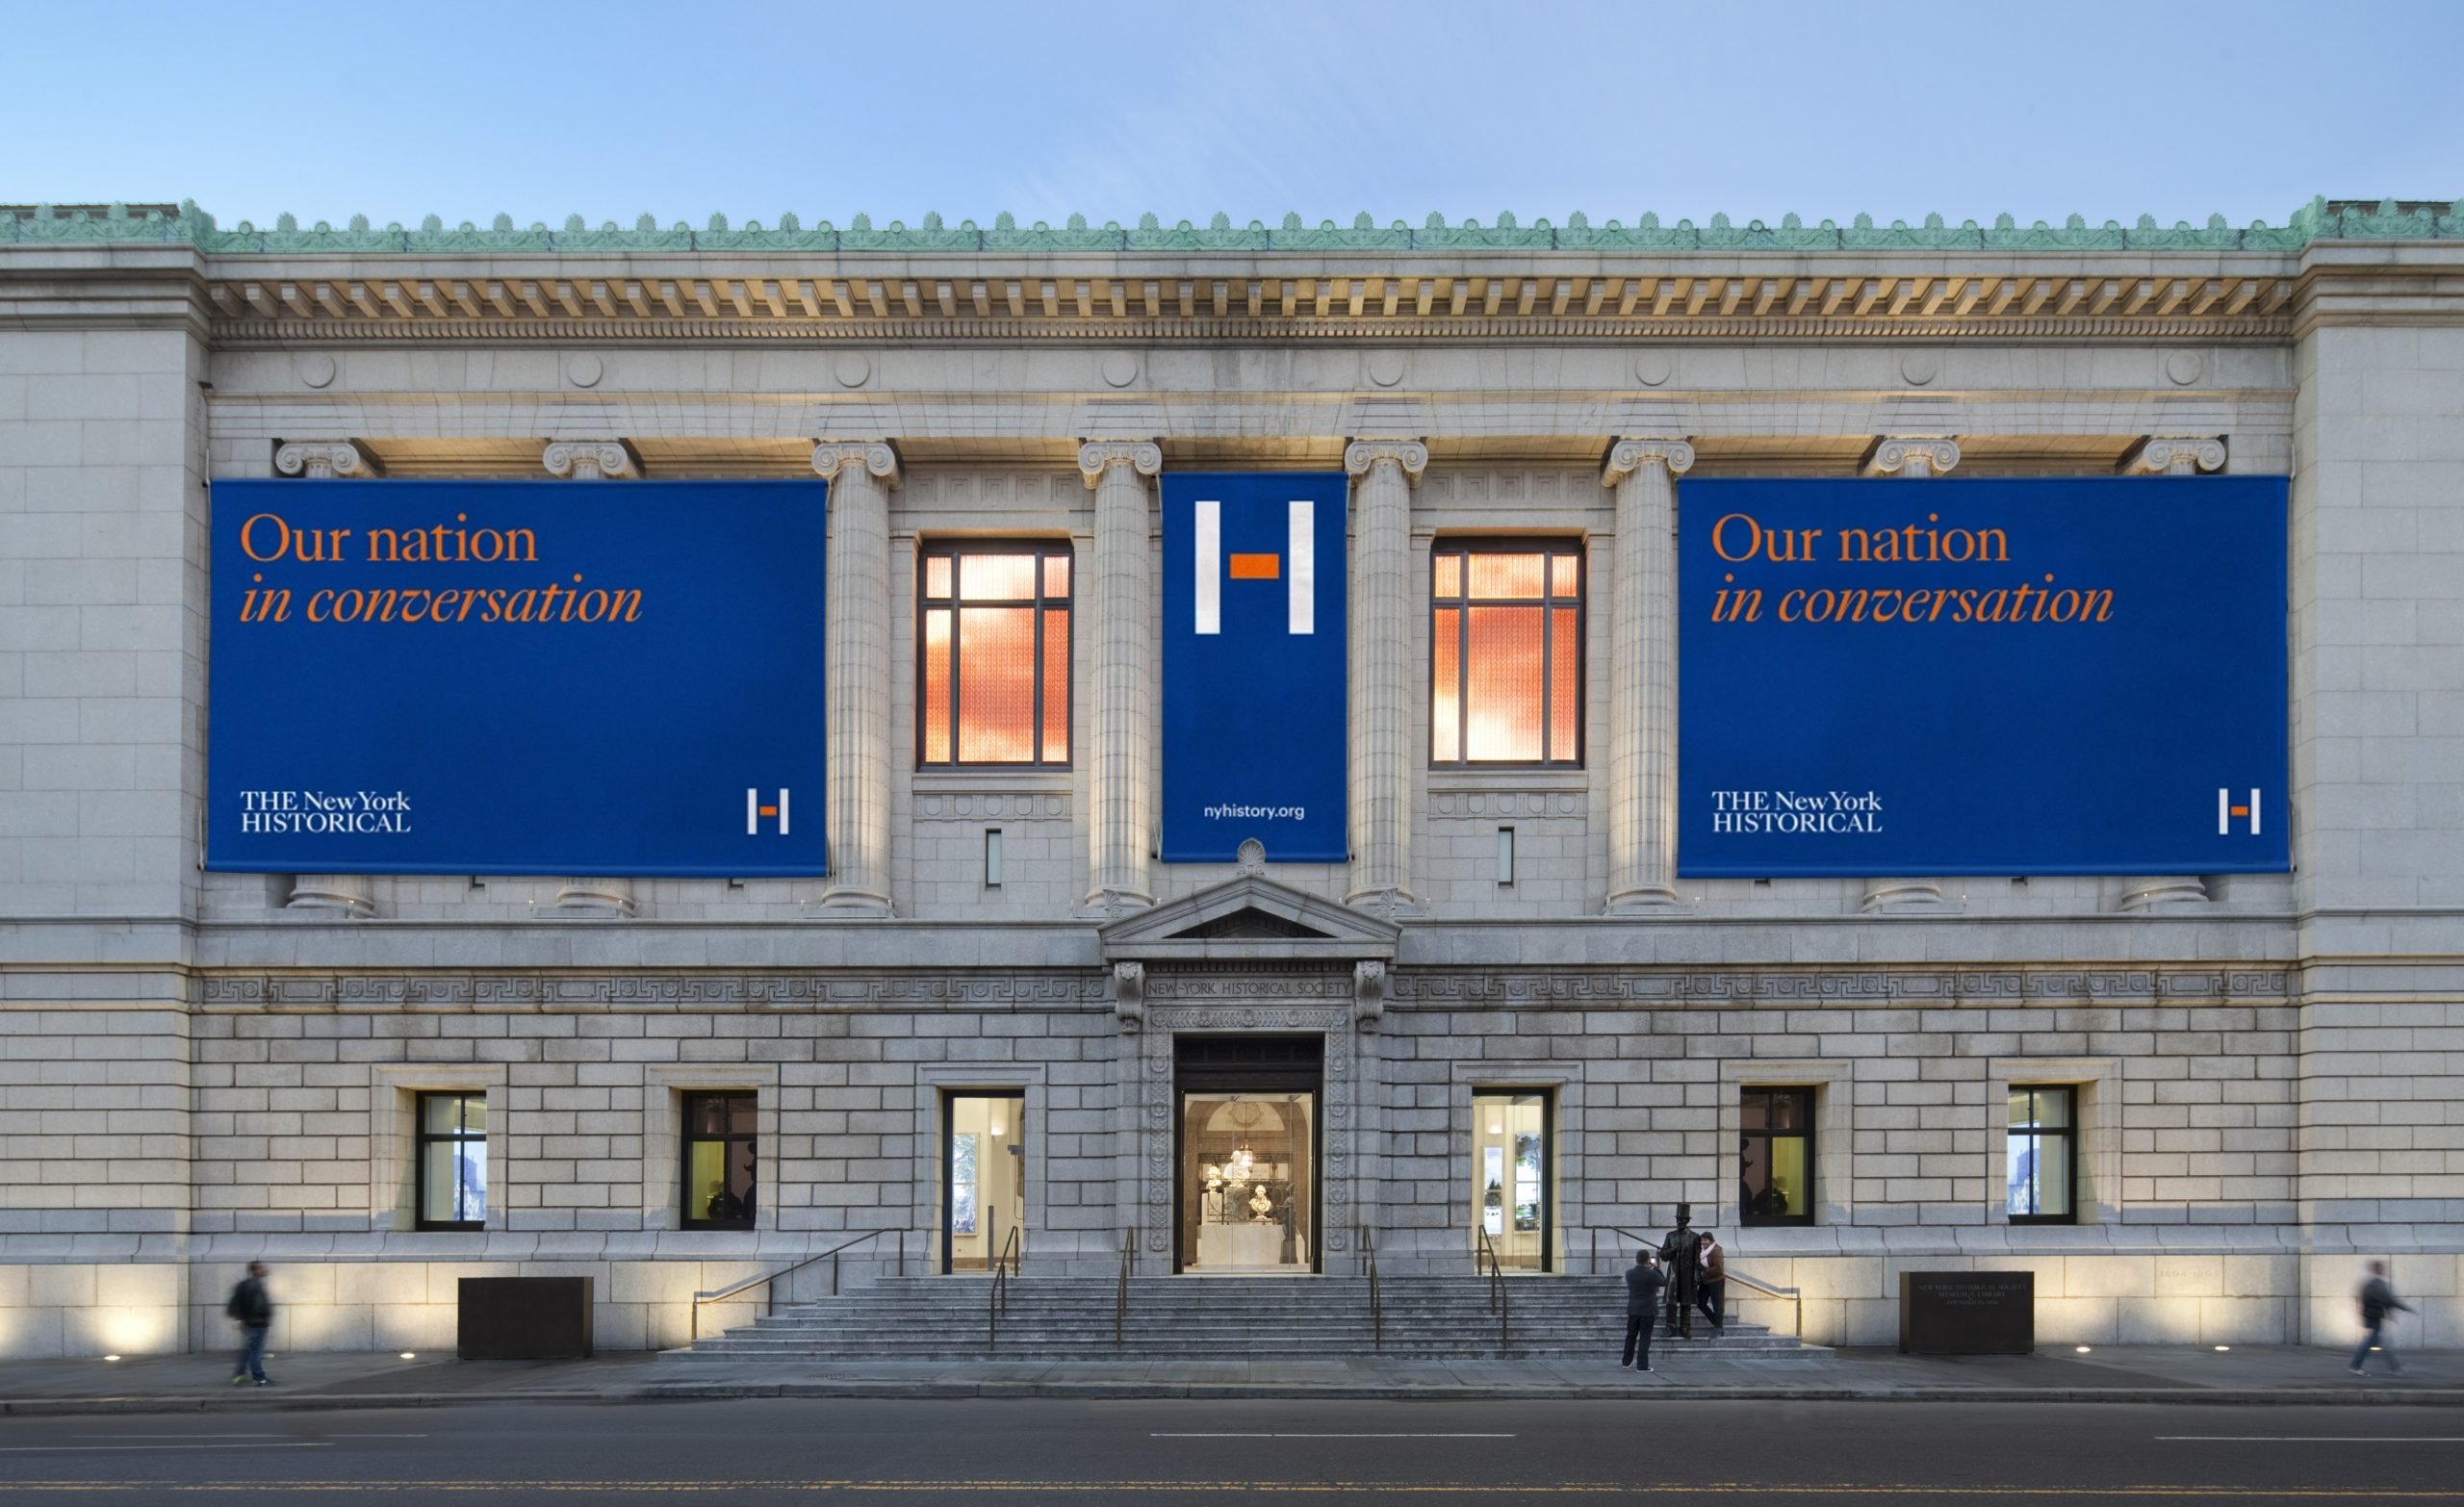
1383	475
351	894
1917	460
858	701
1642	670
1120	585
595	896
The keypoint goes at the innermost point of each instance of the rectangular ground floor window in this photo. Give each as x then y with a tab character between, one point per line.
452	1161
720	1157
1511	1130
2040	1155
1777	1157
983	1180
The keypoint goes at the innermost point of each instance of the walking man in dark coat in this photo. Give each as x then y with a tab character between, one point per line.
2379	1305
1643	1284
1682	1253
253	1306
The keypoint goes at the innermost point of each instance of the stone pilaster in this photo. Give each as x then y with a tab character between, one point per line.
1383	473
601	896
2167	456
345	894
1642	676
1917	459
856	816
1120	586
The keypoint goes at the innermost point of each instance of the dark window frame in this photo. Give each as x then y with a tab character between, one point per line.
954	549
424	1139
1745	1214
2069	1136
726	1139
1549	603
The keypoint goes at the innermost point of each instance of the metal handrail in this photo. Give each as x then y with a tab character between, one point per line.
1120	1293
1376	1306
998	1303
1731	1273
1499	1303
770	1299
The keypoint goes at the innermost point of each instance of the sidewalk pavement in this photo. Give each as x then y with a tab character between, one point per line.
2137	1374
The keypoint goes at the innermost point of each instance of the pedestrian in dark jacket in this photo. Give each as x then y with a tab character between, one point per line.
2378	1302
1711	1284
253	1306
1644	1281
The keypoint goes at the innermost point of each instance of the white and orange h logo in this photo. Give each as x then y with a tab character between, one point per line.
755	812
2227	813
1300	580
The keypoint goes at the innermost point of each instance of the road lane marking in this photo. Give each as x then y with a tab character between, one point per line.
1374	1489
55	1449
1331	1435
2309	1439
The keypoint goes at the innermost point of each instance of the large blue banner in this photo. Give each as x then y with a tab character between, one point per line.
1254	607
517	677
2072	675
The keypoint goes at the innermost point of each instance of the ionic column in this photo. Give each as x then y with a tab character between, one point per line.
856	587
1642	676
1383	473
2170	456
1120	822
345	894
1918	459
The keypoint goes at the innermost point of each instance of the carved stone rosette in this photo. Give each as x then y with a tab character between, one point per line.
1339	1110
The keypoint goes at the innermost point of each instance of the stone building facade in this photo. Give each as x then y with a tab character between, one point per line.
200	1069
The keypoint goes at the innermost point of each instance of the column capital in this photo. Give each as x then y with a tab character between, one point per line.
1633	452
2179	455
873	457
1918	455
1143	456
321	459
591	460
1410	454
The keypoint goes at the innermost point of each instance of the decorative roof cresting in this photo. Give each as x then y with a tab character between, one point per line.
186	224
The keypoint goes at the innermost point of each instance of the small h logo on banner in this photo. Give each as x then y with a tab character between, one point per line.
755	812
1300	583
2227	813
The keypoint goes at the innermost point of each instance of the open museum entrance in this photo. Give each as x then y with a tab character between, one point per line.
1245	1153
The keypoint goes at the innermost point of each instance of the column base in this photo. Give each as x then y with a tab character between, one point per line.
1110	905
2164	891
593	900
1646	902
343	895
1389	904
853	904
1906	897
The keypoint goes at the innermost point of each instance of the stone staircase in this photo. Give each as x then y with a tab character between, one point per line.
1192	1318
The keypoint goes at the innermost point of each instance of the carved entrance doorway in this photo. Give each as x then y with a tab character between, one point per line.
1247	1152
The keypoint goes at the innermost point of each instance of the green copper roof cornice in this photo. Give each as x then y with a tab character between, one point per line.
187	225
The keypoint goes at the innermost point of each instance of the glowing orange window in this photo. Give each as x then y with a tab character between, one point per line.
992	654
1506	653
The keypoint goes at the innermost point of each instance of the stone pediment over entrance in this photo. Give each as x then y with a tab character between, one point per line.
1249	918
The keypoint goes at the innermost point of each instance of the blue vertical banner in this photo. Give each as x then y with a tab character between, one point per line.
1255	739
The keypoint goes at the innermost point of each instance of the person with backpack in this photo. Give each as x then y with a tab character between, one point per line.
2378	1301
1644	1282
252	1308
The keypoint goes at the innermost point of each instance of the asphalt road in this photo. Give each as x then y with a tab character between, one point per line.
1096	1453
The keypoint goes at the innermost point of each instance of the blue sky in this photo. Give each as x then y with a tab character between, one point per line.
616	108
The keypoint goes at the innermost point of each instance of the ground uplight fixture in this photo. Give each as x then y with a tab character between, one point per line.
2082	1349
2222	1348
110	1358
409	1355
